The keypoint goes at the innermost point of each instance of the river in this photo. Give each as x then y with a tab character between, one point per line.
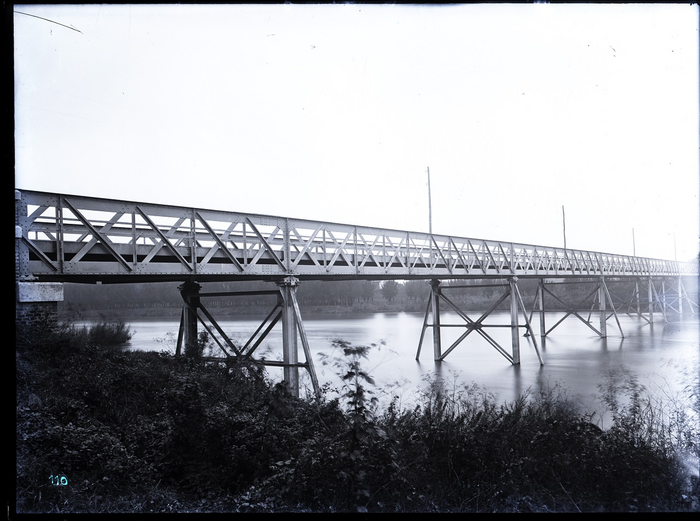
663	356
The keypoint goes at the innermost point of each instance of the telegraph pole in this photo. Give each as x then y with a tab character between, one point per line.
675	253
563	217
430	207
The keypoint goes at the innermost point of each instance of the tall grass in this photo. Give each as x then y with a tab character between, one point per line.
97	334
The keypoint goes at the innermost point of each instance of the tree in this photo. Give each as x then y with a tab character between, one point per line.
416	289
367	289
390	289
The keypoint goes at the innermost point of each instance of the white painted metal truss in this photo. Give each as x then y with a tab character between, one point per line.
64	237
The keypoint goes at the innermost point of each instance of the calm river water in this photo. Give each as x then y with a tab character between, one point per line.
665	356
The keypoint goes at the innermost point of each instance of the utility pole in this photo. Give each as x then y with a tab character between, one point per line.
634	248
563	217
430	207
675	253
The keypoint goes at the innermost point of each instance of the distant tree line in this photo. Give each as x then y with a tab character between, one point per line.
337	293
361	295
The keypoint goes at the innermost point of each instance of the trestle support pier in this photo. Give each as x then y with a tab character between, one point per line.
286	309
511	292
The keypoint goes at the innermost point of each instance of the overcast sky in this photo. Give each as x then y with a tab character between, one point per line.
335	112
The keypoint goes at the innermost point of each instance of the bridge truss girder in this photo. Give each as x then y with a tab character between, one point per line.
63	238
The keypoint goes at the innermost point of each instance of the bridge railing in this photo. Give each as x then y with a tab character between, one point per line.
65	236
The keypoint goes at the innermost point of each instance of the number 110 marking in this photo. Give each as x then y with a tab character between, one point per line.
58	480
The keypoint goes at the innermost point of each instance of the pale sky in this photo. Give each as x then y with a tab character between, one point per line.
335	112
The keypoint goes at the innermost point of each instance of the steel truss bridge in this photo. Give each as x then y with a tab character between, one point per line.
70	238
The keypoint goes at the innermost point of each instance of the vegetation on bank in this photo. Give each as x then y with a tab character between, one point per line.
100	429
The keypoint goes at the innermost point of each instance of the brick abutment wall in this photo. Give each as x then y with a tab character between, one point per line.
32	315
36	307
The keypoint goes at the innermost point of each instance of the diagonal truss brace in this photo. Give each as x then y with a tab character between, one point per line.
164	239
98	235
219	243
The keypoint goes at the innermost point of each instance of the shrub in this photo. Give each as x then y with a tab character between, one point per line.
108	334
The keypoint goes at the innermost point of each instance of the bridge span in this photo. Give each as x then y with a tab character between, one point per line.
69	238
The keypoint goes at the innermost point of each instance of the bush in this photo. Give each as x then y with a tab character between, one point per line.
107	334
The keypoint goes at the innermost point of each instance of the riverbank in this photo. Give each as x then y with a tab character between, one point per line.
102	430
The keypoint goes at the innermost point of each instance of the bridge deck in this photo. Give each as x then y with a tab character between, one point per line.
83	239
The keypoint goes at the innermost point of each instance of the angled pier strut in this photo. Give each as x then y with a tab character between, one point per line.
432	319
286	309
